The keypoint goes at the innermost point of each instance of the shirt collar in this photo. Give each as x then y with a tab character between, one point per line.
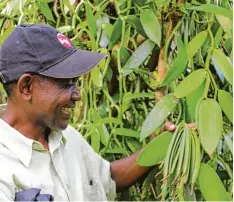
17	143
22	146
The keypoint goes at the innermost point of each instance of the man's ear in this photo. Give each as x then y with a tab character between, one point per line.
24	86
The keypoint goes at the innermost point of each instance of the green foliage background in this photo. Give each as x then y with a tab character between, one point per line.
127	98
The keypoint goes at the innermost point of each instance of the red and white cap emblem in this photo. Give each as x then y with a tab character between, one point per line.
64	40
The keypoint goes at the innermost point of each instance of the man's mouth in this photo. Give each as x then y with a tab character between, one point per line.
66	110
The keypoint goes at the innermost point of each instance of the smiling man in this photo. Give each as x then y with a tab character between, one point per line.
41	156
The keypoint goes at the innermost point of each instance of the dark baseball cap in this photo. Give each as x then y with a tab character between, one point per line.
41	49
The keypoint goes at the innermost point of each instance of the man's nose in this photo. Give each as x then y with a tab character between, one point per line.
75	94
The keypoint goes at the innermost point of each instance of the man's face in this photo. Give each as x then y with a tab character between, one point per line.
53	100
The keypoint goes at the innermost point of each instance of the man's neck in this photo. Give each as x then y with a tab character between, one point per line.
25	125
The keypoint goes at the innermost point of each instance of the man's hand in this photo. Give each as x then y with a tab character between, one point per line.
126	172
169	126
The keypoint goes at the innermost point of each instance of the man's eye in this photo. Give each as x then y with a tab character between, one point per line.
65	85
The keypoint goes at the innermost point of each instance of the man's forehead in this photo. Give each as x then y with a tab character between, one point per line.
67	80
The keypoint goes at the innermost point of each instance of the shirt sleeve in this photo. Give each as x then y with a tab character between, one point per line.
98	166
101	167
6	188
4	197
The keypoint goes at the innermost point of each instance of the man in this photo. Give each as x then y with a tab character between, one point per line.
40	154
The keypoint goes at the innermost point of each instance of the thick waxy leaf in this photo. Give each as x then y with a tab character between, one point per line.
116	34
96	76
91	19
116	151
155	151
211	8
101	129
226	103
6	34
229	142
225	23
64	29
158	115
210	124
192	101
136	23
188	195
134	144
95	140
195	44
222	62
190	83
129	96
110	120
127	132
107	29
178	66
140	2
138	57
45	9
218	38
210	185
151	26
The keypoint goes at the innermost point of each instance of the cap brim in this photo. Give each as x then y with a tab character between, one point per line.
76	64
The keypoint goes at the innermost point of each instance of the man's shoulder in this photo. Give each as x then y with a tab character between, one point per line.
9	163
71	135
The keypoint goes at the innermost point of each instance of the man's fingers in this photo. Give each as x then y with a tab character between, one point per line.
191	125
169	126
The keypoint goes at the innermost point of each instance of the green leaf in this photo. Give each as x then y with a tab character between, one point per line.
225	23
211	8
210	185
138	57
190	83
127	132
134	145
116	151
95	140
158	115
218	37
140	2
45	10
155	151
226	103
210	124
64	29
229	142
107	29
45	1
110	120
178	66
91	19
223	63
188	194
151	26
6	34
116	34
96	76
136	24
102	130
129	96
195	44
192	101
